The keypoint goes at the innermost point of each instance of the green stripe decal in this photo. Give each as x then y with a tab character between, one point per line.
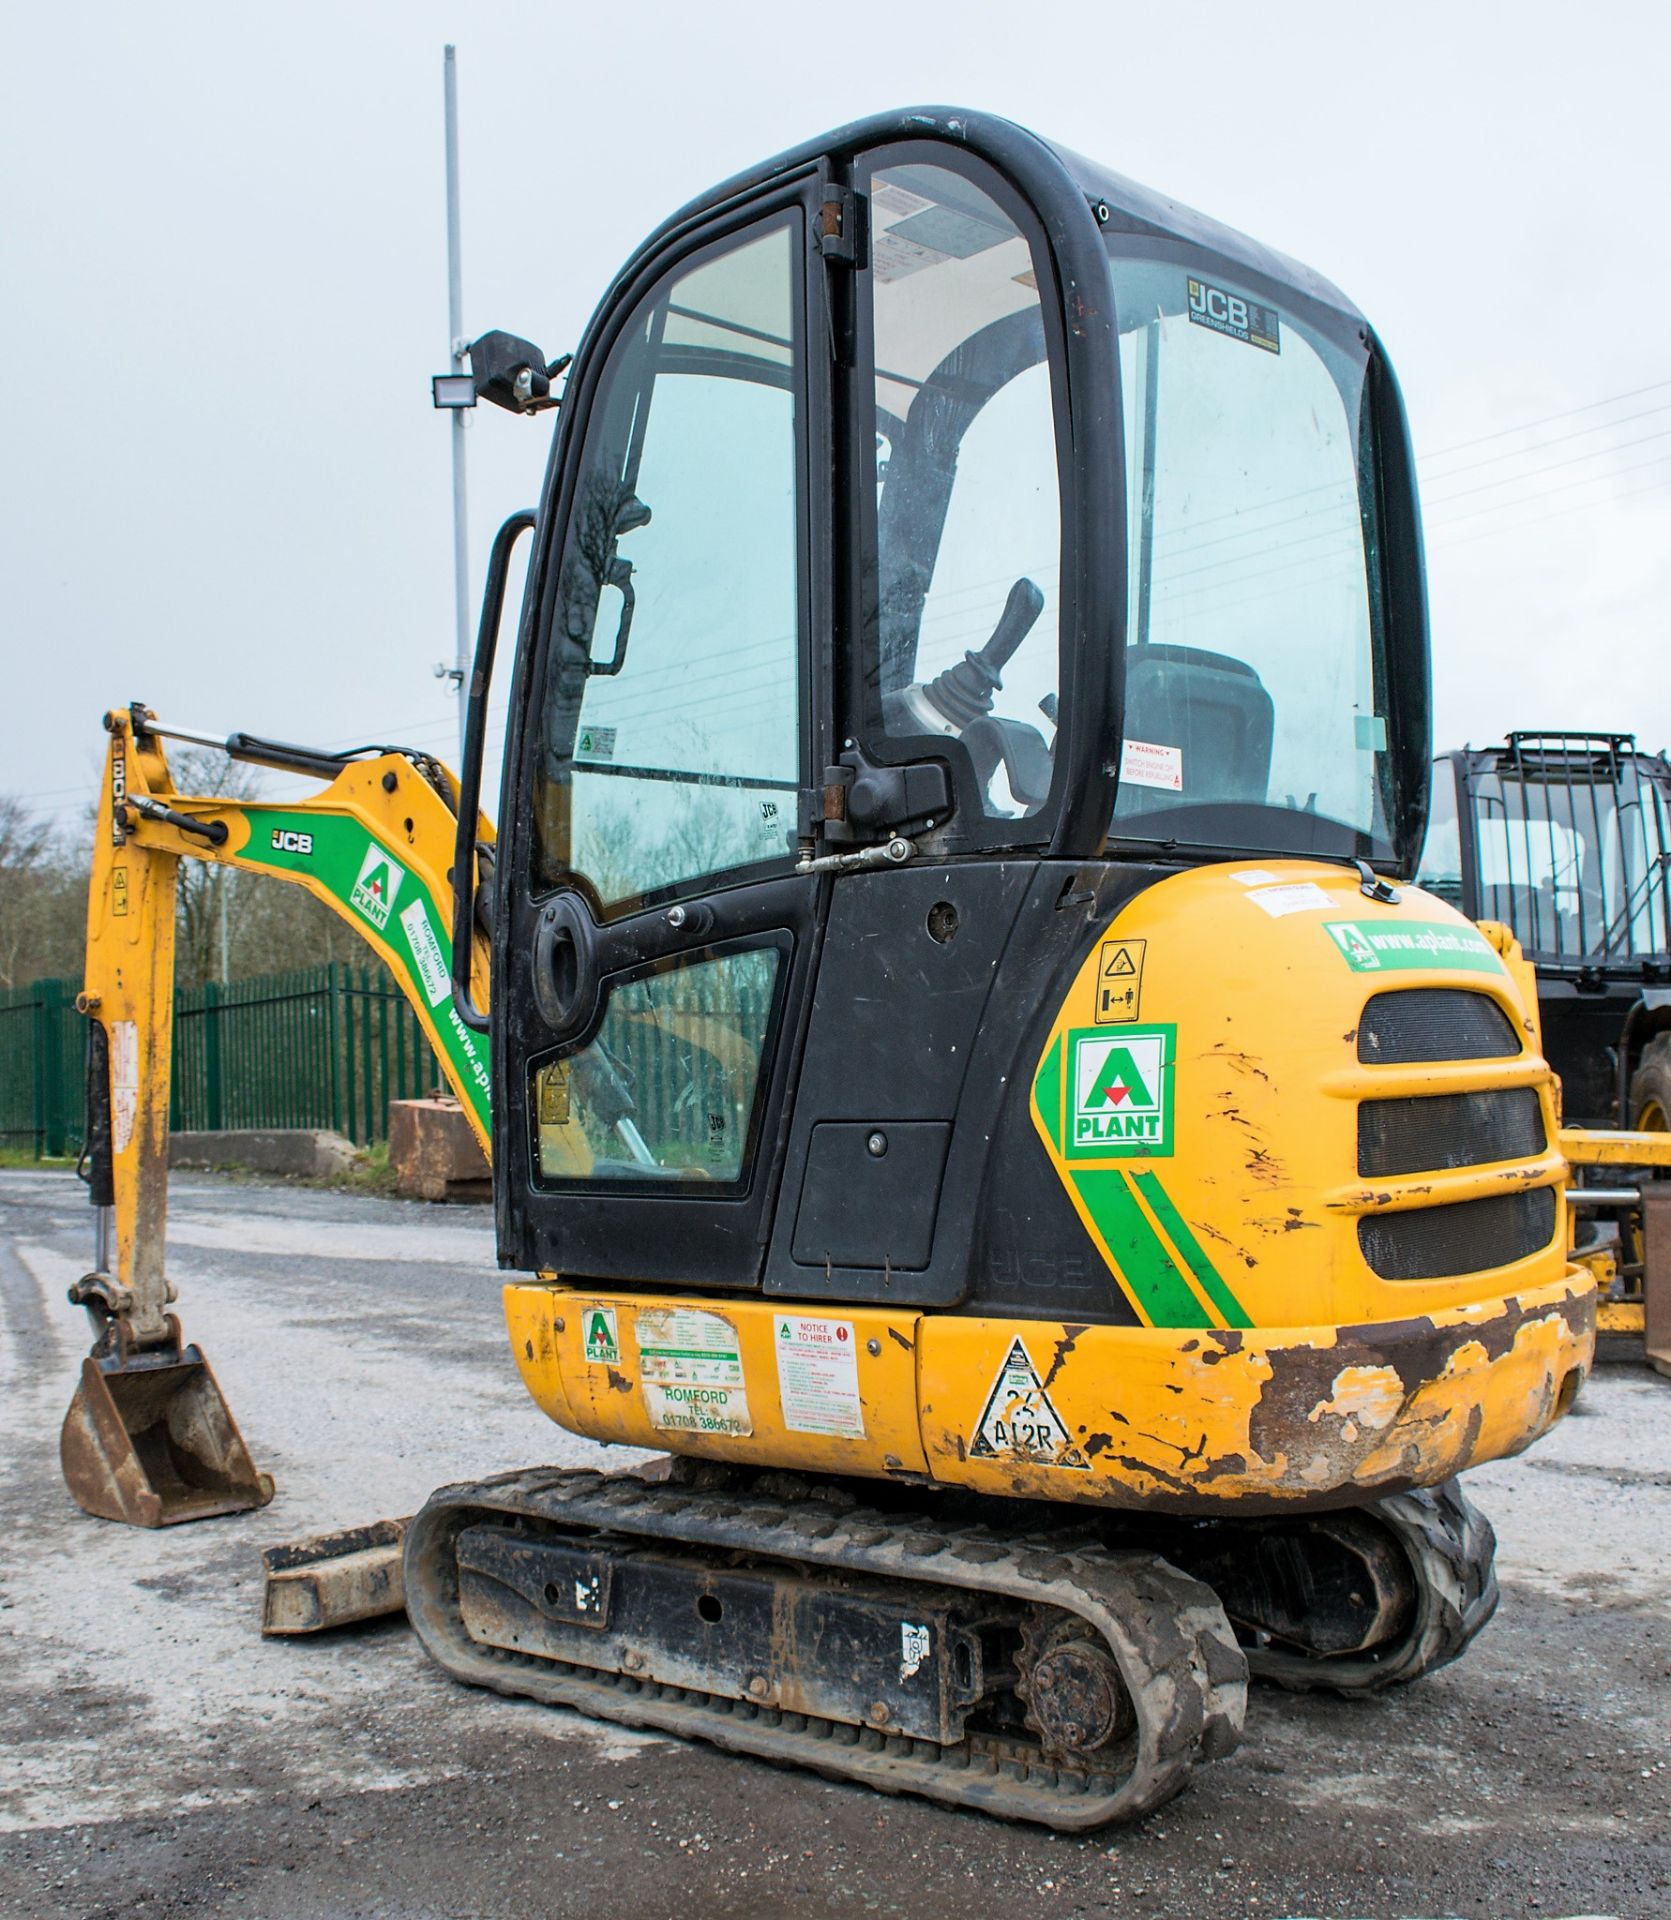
378	890
1141	1261
1047	1091
1207	1276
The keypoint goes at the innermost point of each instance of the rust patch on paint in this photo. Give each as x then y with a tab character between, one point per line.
1064	1346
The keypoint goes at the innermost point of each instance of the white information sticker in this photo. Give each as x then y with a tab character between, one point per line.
1301	897
1143	764
1255	877
692	1372
426	953
124	1082
818	1376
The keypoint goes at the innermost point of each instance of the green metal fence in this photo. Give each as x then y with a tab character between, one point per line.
323	1047
326	1046
42	1066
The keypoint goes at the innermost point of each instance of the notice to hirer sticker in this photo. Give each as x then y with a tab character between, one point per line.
818	1376
1300	897
1144	764
692	1372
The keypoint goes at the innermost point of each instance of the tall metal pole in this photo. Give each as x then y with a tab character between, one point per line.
456	344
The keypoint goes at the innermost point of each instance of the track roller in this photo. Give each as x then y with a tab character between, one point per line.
1046	1679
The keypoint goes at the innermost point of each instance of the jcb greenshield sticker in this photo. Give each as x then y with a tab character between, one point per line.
1404	946
1120	1093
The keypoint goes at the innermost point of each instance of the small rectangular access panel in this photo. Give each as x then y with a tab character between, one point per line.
871	1193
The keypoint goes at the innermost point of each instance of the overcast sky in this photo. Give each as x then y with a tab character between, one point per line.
223	291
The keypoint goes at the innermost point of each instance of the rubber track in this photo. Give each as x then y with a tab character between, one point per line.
1175	1649
1452	1550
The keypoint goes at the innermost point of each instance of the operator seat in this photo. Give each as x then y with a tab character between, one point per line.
1214	709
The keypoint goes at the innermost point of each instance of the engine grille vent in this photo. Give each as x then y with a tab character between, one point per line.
1435	1243
1434	1131
1434	1023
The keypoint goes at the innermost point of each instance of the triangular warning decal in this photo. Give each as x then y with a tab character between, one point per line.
1020	1422
1118	963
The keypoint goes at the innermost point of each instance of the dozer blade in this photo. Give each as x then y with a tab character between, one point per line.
334	1579
149	1440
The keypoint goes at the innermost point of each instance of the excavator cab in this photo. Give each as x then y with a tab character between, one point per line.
931	512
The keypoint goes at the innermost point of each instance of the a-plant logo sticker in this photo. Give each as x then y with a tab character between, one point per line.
379	882
1120	1093
601	1341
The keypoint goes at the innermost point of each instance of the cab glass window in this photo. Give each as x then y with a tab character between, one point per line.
1255	675
666	1091
669	728
968	513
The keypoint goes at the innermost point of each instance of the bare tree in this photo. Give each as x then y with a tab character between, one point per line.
43	897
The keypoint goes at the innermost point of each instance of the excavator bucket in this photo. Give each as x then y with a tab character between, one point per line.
149	1440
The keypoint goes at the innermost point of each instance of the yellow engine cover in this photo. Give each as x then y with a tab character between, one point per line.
1198	1097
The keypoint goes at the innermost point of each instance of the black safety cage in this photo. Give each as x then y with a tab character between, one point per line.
1576	829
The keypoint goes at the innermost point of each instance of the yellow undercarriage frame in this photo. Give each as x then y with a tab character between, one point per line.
1199	1100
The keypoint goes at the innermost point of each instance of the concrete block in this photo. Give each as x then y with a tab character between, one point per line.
434	1152
310	1153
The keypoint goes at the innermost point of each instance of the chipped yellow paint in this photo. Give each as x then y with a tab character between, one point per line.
1587	1149
1269	1417
1367	1397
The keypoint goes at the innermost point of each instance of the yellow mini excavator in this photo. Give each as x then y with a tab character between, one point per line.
964	1072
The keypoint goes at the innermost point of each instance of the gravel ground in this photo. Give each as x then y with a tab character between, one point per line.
158	1758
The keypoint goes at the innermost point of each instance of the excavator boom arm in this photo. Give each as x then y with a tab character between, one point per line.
376	845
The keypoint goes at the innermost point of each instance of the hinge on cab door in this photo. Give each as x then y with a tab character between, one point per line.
840	226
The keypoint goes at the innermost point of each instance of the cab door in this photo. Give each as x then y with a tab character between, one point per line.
655	943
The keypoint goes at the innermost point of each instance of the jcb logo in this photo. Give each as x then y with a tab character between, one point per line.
1229	309
284	841
1234	315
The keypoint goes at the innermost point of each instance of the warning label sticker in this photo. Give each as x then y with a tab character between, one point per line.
818	1376
1119	981
1019	1420
1143	763
692	1372
598	1337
